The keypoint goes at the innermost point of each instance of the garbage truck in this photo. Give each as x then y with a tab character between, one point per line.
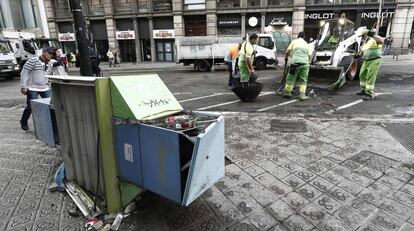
333	57
204	52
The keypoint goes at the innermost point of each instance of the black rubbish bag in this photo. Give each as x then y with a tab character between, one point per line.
247	92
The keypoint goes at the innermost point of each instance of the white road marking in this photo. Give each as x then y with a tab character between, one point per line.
203	97
231	102
277	105
183	93
353	103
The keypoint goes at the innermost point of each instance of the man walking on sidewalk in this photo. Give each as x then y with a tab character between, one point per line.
299	66
33	81
110	58
387	44
371	52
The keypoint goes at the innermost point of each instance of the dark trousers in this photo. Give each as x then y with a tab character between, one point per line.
230	70
28	110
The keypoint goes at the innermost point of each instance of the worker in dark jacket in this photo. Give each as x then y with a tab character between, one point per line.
95	61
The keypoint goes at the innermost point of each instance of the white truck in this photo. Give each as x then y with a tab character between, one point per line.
25	44
203	52
9	68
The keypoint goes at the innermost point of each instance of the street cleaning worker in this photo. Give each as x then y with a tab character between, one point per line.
246	58
230	59
371	53
299	66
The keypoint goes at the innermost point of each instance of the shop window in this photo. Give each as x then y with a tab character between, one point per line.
162	5
253	2
195	26
228	3
279	2
165	51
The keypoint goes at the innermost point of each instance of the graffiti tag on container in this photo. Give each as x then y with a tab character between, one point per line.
156	102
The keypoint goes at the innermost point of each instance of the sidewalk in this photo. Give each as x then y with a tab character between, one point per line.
283	174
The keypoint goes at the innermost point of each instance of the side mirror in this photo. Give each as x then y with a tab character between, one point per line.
271	45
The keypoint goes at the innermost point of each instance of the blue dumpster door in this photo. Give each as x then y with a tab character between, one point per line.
161	161
207	164
43	122
129	153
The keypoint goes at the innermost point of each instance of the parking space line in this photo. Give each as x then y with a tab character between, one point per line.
277	105
353	103
231	102
203	97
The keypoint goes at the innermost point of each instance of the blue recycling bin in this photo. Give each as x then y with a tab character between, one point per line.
176	164
44	120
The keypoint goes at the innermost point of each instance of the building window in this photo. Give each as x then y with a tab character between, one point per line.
18	14
194	4
162	5
253	2
142	6
228	3
195	25
279	2
97	2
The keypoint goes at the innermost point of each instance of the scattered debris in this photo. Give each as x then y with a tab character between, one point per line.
60	178
73	212
107	227
117	222
313	93
53	187
109	218
129	208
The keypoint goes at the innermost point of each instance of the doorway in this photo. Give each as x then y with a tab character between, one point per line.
165	50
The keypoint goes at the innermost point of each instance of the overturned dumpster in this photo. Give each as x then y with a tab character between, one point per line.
113	146
177	157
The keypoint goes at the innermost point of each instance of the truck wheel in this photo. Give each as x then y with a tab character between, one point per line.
353	71
203	65
260	64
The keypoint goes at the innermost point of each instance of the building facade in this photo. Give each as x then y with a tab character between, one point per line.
145	30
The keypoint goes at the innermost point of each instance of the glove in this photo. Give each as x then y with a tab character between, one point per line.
286	59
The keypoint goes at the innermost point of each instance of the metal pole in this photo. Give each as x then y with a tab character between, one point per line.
80	30
379	17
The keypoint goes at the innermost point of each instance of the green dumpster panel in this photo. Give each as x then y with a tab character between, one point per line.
142	97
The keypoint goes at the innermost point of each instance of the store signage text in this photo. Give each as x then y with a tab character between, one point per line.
125	35
278	22
66	37
375	14
320	16
229	23
163	34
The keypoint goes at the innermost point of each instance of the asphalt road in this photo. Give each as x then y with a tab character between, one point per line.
209	91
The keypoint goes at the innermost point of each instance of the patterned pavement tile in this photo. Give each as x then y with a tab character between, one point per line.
382	189
404	199
280	189
350	186
336	158
199	210
317	168
340	195
225	183
332	177
262	220
370	173
293	182
266	179
405	167
397	174
5	213
359	179
244	225
22	220
309	192
352	165
362	207
327	204
264	196
332	224
210	224
327	163
279	172
268	165
297	222
280	210
321	184
371	196
291	166
242	200
49	223
391	182
305	175
407	227
26	207
408	188
254	170
295	200
349	217
313	214
386	221
251	187
397	209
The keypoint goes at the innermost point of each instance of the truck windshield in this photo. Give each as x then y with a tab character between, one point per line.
4	46
333	32
42	43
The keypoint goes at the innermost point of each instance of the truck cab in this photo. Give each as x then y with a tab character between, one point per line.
265	52
9	67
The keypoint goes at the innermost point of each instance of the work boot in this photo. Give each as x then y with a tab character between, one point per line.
368	97
303	97
362	92
287	94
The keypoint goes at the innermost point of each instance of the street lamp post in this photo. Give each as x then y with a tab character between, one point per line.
82	41
379	17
